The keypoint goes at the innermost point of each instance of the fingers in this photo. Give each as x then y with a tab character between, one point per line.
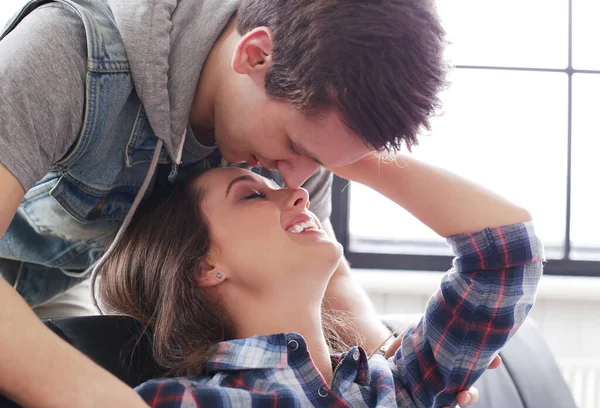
468	397
393	347
391	350
496	362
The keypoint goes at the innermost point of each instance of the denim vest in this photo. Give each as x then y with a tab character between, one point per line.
67	218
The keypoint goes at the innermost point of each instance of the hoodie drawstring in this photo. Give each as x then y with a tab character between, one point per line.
136	202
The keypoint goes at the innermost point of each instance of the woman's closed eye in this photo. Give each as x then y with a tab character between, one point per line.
255	194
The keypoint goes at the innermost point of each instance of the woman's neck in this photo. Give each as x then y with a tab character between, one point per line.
265	319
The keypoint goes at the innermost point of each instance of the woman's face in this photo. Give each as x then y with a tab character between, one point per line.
264	236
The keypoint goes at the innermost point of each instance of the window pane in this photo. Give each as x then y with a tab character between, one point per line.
519	33
506	130
8	9
585	207
586	34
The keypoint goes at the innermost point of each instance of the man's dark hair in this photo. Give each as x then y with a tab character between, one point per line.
379	63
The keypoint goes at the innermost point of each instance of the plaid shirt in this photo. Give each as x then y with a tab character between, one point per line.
482	301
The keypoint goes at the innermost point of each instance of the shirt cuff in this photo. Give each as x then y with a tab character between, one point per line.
496	248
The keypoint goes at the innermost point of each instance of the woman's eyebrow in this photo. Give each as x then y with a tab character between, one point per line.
245	177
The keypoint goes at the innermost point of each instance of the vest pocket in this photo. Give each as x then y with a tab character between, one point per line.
56	206
89	205
142	142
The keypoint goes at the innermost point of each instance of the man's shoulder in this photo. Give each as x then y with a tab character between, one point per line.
42	65
53	26
53	15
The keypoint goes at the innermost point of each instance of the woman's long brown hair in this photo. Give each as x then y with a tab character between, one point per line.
152	276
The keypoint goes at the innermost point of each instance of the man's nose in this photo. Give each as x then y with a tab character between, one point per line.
295	173
268	164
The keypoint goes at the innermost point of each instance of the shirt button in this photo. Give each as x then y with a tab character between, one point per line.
323	392
293	345
356	355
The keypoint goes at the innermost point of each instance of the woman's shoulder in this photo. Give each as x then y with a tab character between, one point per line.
167	392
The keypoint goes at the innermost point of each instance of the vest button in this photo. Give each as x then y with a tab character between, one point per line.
293	345
356	355
323	392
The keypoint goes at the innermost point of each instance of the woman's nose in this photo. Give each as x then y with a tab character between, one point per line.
296	198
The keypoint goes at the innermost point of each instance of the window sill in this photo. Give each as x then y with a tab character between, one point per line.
552	287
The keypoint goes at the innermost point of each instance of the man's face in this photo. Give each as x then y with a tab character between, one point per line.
251	127
279	137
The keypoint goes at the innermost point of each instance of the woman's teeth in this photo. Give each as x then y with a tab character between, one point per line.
304	226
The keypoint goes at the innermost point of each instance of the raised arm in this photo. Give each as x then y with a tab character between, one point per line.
345	295
445	202
482	300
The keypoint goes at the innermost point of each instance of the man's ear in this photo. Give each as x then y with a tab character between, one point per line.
252	55
209	274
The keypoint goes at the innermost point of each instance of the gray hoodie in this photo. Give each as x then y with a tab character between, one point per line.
167	42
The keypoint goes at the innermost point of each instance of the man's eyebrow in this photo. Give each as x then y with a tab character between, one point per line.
312	156
245	177
306	152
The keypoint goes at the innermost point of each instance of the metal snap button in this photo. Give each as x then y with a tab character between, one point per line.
356	355
293	345
323	392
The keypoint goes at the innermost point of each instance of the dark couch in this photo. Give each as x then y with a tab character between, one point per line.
528	378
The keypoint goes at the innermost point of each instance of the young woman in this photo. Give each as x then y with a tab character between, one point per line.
235	304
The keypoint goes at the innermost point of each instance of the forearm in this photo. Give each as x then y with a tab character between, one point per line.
445	202
11	194
477	309
38	369
345	296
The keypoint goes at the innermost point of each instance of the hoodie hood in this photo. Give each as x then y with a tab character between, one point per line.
167	42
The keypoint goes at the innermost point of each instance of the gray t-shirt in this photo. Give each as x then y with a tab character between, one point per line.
42	88
42	82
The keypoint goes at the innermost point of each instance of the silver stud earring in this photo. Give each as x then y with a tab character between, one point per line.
220	275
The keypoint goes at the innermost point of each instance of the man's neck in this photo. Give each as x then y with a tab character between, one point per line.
216	64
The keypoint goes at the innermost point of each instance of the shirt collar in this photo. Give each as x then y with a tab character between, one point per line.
271	352
193	150
362	373
255	352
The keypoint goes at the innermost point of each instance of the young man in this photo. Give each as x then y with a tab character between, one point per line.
103	102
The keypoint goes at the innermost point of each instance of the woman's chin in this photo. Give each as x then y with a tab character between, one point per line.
324	255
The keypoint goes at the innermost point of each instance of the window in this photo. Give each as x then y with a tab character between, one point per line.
520	117
8	9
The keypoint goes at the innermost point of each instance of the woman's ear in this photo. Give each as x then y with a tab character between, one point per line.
252	55
208	274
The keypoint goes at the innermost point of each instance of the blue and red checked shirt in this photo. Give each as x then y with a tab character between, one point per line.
482	301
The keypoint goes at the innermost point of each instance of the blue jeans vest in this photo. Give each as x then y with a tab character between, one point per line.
67	218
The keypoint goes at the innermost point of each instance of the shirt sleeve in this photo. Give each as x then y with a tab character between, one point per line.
42	85
164	393
318	186
481	303
184	393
